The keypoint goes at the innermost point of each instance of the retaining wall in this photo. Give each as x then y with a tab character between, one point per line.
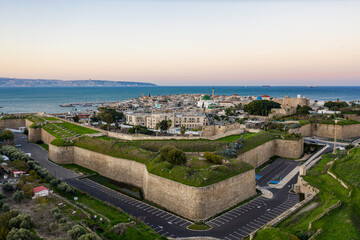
279	147
328	130
12	123
194	203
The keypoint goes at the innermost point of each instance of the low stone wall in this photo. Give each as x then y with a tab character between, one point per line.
38	134
212	130
195	203
279	147
328	130
12	123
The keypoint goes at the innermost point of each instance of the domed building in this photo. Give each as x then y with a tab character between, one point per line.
259	98
205	102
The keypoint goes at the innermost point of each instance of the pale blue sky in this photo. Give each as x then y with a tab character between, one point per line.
195	42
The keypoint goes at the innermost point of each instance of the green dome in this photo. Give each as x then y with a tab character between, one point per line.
206	97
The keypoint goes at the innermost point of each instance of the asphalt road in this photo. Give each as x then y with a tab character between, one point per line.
235	224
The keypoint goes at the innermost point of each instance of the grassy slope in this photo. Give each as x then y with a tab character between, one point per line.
341	223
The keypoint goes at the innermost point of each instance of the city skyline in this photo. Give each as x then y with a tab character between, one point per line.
183	43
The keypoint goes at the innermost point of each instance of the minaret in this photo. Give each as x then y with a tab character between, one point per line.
213	94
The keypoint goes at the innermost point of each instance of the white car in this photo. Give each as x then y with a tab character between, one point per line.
18	145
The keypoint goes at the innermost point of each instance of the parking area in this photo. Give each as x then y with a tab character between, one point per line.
276	171
268	215
142	210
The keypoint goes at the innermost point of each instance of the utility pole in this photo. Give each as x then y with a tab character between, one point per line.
336	121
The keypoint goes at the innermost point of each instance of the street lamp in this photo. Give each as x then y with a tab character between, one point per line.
335	128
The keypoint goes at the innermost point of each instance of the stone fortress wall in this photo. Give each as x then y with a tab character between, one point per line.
201	202
194	203
279	147
328	130
12	123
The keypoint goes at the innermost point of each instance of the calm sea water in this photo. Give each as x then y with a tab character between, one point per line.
20	100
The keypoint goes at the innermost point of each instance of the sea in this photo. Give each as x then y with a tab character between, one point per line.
49	99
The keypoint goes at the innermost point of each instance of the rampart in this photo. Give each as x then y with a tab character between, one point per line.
195	203
279	147
328	130
12	123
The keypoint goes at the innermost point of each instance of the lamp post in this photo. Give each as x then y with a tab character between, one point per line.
336	121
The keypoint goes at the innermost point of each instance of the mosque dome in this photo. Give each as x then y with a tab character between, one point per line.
206	98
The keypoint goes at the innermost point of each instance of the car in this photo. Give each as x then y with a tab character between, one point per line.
24	137
18	145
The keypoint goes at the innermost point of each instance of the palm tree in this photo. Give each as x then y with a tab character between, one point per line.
182	130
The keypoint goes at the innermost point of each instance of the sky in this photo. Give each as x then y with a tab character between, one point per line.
190	42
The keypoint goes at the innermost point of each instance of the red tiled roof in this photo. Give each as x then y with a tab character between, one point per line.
265	96
39	189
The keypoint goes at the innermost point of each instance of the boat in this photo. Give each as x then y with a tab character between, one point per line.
266	86
312	86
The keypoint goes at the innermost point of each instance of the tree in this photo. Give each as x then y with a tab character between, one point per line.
18	196
164	125
260	107
172	155
229	112
331	104
115	115
6	135
23	234
7	187
76	118
169	123
76	232
182	130
304	110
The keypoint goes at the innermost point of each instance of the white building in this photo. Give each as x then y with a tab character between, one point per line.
40	191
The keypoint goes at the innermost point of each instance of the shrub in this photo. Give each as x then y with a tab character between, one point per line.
216	159
55	182
22	221
88	236
172	155
23	234
18	196
5	207
54	210
57	216
350	146
7	187
62	187
76	232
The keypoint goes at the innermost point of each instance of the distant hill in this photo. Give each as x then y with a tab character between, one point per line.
17	82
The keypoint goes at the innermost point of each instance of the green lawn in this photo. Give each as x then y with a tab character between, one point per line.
120	187
51	119
45	146
78	168
341	223
304	122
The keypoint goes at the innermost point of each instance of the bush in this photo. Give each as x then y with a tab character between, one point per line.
54	210
7	187
62	187
216	159
88	236
5	207
23	234
173	155
18	196
22	221
57	216
55	182
76	232
350	146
